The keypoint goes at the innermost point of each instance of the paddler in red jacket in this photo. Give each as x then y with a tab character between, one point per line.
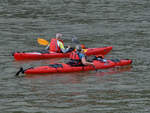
57	45
78	58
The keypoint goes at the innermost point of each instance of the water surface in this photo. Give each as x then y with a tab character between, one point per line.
123	24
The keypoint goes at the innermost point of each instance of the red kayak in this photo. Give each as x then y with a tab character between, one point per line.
46	55
65	68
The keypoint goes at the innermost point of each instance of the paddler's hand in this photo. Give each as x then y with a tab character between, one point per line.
68	46
47	48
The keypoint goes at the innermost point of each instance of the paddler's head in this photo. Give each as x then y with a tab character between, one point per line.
58	36
78	48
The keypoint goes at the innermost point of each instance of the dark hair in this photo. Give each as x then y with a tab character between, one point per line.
78	48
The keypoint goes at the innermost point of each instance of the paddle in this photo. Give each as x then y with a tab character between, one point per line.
75	40
42	41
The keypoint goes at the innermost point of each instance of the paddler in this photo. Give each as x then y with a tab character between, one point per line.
57	46
78	58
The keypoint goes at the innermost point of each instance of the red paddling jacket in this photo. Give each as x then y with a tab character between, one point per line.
75	59
54	46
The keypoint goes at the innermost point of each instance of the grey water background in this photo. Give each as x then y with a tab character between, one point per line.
123	24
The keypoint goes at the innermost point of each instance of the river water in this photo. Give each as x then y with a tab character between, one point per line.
123	24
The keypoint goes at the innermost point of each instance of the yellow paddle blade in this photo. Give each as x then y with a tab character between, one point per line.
85	50
42	41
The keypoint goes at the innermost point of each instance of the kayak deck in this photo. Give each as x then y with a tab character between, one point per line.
42	55
66	68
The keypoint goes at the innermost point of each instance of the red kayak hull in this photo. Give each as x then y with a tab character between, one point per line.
65	68
38	55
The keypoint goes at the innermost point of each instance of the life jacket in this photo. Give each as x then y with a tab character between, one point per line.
75	59
54	46
83	46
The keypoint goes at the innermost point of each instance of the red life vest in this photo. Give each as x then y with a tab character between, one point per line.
75	59
54	46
